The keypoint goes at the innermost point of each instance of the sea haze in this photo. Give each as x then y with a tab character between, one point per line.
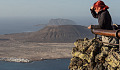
18	25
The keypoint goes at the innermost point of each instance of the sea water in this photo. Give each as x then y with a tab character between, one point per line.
54	64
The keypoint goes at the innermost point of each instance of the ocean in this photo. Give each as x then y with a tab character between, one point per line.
54	64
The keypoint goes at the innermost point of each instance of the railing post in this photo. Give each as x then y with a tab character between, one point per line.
119	44
118	37
95	36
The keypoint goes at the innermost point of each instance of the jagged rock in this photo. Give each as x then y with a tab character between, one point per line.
93	55
113	59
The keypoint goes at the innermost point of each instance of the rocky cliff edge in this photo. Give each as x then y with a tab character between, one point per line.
93	55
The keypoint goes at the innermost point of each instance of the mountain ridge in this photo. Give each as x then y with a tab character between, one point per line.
53	34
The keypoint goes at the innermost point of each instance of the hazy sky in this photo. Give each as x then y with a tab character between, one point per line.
53	8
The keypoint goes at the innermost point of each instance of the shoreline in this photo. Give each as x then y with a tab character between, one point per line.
22	60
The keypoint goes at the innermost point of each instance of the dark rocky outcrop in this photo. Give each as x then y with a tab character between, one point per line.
93	55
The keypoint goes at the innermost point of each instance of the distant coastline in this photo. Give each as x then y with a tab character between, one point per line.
22	60
15	60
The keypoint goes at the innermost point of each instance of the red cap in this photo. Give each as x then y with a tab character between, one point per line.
101	4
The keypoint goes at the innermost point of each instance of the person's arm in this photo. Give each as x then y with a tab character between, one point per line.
102	22
93	12
94	27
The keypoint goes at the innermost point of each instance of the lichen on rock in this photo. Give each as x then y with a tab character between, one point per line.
93	55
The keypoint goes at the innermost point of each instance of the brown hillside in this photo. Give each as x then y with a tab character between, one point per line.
53	33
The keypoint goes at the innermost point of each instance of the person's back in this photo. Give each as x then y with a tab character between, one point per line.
104	20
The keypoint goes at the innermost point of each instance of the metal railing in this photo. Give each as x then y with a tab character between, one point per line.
112	33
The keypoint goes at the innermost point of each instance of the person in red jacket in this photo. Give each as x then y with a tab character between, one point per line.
99	11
